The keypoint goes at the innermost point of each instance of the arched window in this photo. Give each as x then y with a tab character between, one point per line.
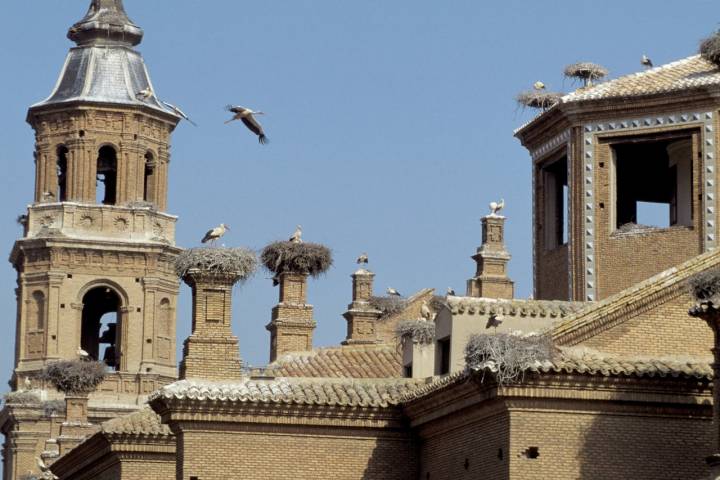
150	172
165	318
106	192
100	329
36	312
61	166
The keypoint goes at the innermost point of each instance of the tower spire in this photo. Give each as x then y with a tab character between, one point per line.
106	23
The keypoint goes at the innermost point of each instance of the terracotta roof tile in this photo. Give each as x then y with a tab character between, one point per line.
144	422
302	391
515	307
371	361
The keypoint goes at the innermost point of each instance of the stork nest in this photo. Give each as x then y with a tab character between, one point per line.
389	305
705	286
710	48
418	331
52	407
538	99
311	259
586	71
240	262
507	355
22	398
75	376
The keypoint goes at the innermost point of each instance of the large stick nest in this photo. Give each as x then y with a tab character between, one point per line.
710	48
419	331
22	398
507	355
311	259
586	71
538	99
240	262
75	376
389	305
705	286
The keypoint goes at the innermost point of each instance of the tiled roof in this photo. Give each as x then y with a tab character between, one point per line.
575	360
353	393
688	73
516	307
371	361
144	422
614	308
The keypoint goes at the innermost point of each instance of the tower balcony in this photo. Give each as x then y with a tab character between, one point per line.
102	222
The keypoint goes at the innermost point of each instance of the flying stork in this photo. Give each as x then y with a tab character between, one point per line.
362	259
246	115
297	236
646	62
177	110
215	234
495	207
495	320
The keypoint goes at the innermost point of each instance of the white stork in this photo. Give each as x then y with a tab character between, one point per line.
246	115
215	234
177	110
297	236
646	62
45	469
392	292
362	259
495	207
539	85
145	94
450	292
425	312
82	354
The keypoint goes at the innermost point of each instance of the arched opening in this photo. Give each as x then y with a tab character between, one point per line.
106	190
100	326
150	172
35	324
61	165
164	329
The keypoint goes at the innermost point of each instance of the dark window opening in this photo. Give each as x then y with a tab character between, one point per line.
555	192
100	319
443	351
150	172
61	166
653	183
532	453
407	371
500	454
107	176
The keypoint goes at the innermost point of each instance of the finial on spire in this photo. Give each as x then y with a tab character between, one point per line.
106	23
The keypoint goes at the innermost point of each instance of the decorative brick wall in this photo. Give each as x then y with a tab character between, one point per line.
291	326
361	316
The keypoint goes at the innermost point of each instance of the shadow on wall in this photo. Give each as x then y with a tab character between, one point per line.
393	459
647	447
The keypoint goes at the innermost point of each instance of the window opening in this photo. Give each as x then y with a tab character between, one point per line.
555	192
100	319
443	349
61	166
653	184
106	192
150	172
407	371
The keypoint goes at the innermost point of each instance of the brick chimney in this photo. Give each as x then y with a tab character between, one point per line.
291	326
212	351
361	316
491	280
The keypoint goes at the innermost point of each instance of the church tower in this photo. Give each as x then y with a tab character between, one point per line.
95	264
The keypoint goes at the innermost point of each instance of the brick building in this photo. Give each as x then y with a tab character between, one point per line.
628	394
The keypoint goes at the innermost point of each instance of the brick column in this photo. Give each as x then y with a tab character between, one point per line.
76	427
361	316
212	351
291	326
491	280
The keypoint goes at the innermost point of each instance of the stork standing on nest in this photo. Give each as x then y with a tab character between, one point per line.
215	234
425	312
82	354
539	85
392	292
362	259
297	236
495	207
646	62
246	115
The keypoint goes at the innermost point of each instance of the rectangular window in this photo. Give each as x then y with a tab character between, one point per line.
555	203
443	360
652	183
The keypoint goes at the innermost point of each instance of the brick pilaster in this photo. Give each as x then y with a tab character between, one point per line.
361	316
291	326
491	280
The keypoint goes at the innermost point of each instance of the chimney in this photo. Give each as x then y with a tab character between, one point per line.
291	326
211	352
491	280
361	316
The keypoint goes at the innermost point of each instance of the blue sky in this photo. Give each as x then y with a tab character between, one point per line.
391	125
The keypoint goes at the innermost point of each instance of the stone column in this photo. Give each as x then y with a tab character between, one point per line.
291	326
491	280
361	316
212	351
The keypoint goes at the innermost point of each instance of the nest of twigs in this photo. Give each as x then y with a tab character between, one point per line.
75	376
586	71
507	355
705	286
22	398
311	259
539	99
389	305
710	48
52	407
240	262
417	331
